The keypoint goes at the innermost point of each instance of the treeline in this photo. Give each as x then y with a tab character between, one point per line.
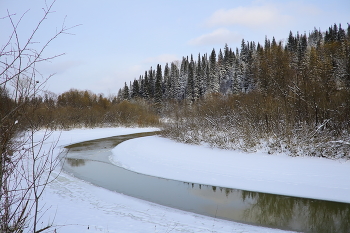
252	67
76	108
293	96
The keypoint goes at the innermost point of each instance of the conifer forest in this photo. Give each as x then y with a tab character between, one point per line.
292	96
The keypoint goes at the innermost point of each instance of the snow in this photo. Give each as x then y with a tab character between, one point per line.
77	206
310	177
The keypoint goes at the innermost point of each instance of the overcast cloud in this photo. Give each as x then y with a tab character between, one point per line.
217	37
253	16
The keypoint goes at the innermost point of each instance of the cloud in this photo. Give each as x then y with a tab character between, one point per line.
253	16
219	36
163	58
304	9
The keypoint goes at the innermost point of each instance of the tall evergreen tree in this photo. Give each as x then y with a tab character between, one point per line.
167	83
126	94
205	72
213	76
151	83
244	51
135	89
190	81
227	58
183	78
120	95
221	64
158	93
199	79
142	86
147	87
174	87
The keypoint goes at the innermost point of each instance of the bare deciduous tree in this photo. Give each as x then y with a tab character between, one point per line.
25	165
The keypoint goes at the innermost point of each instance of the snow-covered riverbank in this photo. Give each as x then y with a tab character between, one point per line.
316	178
77	206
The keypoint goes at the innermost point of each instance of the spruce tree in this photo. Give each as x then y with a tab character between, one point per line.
142	86
199	78
183	79
158	93
244	51
135	89
174	79
205	73
190	81
227	58
341	34
213	76
221	64
120	95
195	93
151	83
146	87
126	94
167	83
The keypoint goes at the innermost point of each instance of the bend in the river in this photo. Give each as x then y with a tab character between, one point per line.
90	161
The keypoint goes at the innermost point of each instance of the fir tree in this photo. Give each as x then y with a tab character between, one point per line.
199	79
126	94
167	83
142	86
174	87
190	81
146	89
120	94
221	64
183	79
205	72
341	34
227	58
213	76
244	52
151	83
158	93
135	89
239	71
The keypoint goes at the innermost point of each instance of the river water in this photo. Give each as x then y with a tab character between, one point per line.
89	161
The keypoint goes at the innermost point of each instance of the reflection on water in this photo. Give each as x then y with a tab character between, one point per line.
308	214
276	211
75	162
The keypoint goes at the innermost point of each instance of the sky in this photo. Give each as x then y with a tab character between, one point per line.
115	41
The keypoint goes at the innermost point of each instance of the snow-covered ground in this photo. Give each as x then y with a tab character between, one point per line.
77	206
317	178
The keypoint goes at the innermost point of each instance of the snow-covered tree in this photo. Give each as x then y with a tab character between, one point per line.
213	75
158	93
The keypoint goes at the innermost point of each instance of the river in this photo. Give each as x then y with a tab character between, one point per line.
90	161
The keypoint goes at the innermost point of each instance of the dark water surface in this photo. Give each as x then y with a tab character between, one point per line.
89	161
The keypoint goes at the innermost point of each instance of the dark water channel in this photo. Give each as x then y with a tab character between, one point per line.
89	161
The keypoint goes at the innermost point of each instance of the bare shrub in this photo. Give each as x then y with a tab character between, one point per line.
254	121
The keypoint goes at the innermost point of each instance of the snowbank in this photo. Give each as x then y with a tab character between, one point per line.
316	178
